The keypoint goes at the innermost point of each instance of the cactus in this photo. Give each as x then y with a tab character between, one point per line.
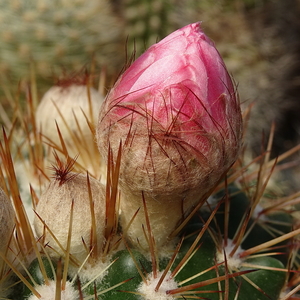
53	34
213	253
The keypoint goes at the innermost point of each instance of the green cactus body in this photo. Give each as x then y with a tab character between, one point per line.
262	284
35	270
124	270
269	281
210	270
262	227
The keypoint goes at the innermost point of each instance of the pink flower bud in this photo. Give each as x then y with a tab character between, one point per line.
177	114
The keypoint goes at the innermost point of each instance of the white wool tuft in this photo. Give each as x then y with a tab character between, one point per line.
90	271
148	290
234	261
47	292
257	213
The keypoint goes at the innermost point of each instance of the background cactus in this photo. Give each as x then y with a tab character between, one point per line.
57	34
217	254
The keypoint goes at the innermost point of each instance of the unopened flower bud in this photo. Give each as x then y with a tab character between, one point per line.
176	112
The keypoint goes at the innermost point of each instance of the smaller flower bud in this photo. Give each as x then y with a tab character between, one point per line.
68	192
72	107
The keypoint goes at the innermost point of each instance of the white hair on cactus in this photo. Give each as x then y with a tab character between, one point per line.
48	292
148	289
233	261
